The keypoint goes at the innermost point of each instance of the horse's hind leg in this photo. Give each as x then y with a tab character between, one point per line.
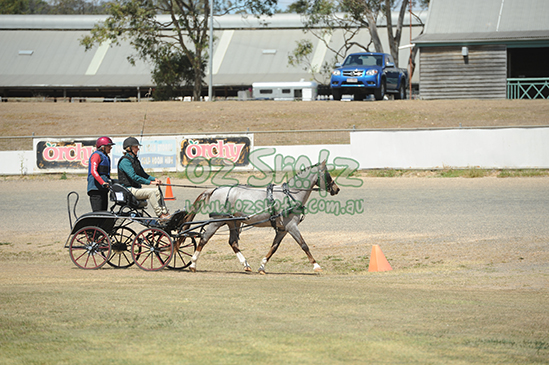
206	235
276	242
300	241
233	242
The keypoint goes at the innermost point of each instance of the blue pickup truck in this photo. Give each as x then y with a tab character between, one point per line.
368	73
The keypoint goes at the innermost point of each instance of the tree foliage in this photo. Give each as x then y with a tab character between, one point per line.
322	17
302	56
14	6
183	31
52	7
171	72
77	7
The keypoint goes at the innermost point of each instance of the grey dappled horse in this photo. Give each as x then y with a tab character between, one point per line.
277	206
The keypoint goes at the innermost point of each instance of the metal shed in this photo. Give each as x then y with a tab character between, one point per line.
41	55
480	49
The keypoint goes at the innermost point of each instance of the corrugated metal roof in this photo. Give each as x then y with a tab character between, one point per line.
229	21
58	59
19	22
486	20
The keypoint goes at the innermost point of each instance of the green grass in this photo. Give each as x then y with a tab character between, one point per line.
473	172
385	173
523	173
132	317
442	173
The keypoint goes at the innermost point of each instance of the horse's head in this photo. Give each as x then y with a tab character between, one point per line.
326	181
315	175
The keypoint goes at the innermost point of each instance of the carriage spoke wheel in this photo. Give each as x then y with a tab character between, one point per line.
152	249
90	248
121	243
184	248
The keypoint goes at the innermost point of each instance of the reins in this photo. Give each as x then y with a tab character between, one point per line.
242	186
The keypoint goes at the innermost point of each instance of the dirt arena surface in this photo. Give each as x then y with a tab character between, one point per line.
421	224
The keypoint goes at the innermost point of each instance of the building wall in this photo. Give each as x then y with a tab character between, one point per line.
446	74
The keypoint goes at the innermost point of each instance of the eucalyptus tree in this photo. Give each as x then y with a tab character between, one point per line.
162	31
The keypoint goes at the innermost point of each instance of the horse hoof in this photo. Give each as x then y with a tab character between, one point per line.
192	269
247	269
318	269
261	272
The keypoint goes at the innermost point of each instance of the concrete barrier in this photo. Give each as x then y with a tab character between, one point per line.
499	148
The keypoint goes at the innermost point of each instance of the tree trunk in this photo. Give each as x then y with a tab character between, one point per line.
412	61
197	87
373	31
394	41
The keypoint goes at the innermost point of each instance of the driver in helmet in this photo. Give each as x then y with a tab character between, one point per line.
99	174
132	175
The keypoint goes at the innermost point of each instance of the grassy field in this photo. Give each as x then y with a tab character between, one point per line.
442	315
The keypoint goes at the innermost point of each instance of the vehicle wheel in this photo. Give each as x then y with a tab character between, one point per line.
336	94
401	92
90	248
182	253
121	243
152	249
380	92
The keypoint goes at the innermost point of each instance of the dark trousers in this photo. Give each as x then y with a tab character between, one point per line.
99	200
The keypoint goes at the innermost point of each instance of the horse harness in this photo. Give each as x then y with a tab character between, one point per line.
294	205
272	205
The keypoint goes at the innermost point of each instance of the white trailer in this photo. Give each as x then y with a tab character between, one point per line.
302	90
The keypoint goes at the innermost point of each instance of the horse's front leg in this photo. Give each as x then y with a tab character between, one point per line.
206	235
301	242
276	242
233	242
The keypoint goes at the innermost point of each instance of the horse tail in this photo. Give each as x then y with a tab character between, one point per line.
202	199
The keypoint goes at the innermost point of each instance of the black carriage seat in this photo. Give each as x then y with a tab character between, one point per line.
103	220
122	197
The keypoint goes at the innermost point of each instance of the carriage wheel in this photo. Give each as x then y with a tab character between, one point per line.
183	251
152	249
90	248
121	243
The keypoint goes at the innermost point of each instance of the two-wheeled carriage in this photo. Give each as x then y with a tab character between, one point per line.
110	237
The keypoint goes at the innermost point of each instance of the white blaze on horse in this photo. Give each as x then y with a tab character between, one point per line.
278	206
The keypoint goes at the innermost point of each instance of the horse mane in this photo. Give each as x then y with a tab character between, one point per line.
306	169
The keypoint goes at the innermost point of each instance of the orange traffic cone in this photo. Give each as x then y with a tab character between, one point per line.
378	262
169	193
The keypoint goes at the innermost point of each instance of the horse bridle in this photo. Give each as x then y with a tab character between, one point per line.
330	183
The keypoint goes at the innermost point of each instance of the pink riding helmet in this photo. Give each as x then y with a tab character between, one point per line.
103	141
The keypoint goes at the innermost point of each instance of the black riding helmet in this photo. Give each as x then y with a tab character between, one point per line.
129	142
